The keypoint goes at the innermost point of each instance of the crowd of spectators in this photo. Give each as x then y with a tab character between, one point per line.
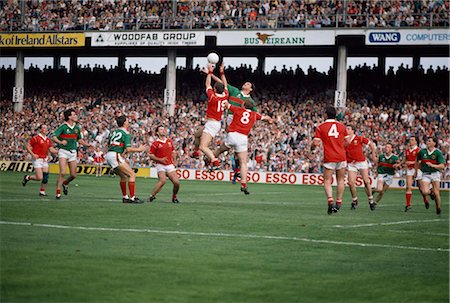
72	15
387	108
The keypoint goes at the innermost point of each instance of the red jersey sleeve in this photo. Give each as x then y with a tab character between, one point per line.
153	148
258	116
317	133
33	141
364	140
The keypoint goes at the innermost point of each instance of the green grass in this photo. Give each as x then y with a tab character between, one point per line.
216	247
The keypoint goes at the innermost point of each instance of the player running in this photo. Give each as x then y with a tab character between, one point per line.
119	142
163	153
238	130
332	134
67	136
431	162
410	160
39	147
216	100
356	162
387	164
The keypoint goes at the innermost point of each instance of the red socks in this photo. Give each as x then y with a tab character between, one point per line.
408	199
131	188
330	200
338	201
123	187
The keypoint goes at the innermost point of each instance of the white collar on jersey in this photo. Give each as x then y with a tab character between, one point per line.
245	94
220	95
161	140
330	120
430	151
42	136
411	149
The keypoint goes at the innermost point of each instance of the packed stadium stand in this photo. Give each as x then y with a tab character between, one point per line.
67	15
387	107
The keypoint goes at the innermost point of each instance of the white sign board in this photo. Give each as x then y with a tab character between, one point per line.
18	94
340	98
188	38
408	37
275	38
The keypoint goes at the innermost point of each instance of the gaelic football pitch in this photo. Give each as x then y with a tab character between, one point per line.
276	245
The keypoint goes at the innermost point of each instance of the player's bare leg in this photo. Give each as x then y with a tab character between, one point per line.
72	176
380	193
327	185
367	186
340	176
437	196
98	170
205	141
423	189
242	156
408	192
62	173
173	177
161	181
197	135
125	169
123	185
352	186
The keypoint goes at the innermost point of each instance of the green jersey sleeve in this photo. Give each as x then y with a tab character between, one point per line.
127	140
58	131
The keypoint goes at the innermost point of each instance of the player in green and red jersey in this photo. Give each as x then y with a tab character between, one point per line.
387	164
119	142
67	136
431	161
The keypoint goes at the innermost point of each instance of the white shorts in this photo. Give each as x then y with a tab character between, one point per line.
212	128
419	175
67	154
237	140
388	179
114	159
40	163
165	168
229	118
357	166
411	172
335	165
431	177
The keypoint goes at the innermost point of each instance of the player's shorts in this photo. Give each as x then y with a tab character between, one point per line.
212	127
114	159
236	140
388	179
431	177
419	175
357	166
40	163
165	168
335	165
411	172
70	155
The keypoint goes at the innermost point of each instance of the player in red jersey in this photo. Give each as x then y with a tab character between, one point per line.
216	101
237	137
332	134
39	147
356	162
98	161
163	153
410	161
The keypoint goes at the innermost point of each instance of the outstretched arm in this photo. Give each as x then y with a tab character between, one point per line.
222	76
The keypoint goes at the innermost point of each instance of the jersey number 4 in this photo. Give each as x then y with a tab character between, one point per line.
333	132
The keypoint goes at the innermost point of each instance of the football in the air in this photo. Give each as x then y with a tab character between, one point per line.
213	58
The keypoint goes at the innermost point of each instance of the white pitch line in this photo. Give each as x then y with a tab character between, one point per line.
244	236
418	233
387	223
